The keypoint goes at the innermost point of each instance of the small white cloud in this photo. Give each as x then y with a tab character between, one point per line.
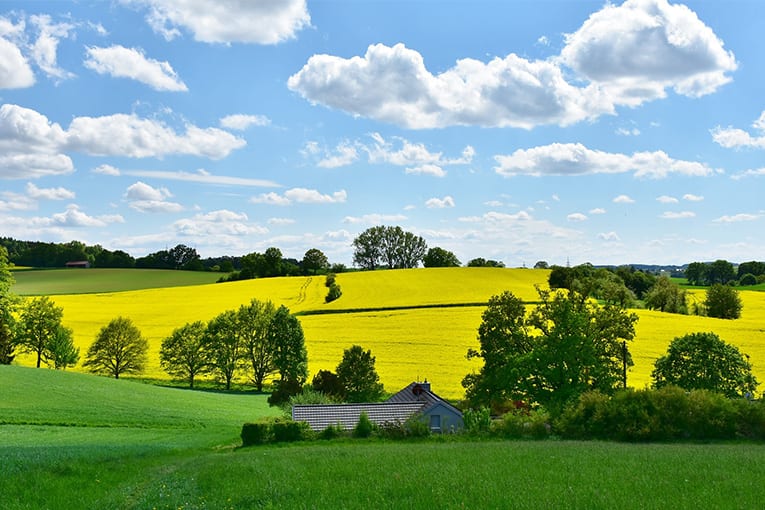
671	215
609	236
300	195
576	217
440	203
121	62
144	198
736	218
106	170
74	217
623	199
374	219
427	169
598	210
218	225
493	203
628	132
49	193
281	221
241	122
692	198
270	198
666	199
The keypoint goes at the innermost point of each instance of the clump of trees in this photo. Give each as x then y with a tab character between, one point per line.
439	257
355	379
564	346
482	262
334	292
388	247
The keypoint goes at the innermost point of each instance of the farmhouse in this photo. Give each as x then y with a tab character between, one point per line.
415	399
78	263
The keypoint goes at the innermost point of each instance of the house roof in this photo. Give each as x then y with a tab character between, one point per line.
415	398
320	416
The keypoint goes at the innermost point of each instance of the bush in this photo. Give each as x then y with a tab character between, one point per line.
522	425
584	419
477	421
289	431
330	279
748	279
334	293
332	432
414	426
256	433
273	430
364	427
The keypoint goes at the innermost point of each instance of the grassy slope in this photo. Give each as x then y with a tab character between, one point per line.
85	281
129	445
416	343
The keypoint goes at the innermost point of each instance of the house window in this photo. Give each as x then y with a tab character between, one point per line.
435	422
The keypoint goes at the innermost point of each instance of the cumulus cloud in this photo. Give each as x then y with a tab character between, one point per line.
749	173
598	210
343	155
227	21
145	198
666	199
734	138
74	217
281	221
577	217
623	199
15	71
203	177
671	215
216	224
121	62
241	121
609	236
106	170
49	193
736	218
300	195
10	201
427	169
576	159
439	203
693	198
375	219
621	56
45	48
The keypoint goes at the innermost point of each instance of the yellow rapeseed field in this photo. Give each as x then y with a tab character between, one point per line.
408	344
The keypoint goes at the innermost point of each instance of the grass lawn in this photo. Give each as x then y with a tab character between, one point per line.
48	282
77	441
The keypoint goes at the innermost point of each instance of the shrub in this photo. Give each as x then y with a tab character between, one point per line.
284	391
750	418
364	427
332	432
330	279
333	293
289	431
256	433
748	279
584	418
414	426
522	425
273	430
477	421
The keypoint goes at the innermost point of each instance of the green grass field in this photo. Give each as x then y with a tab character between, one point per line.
49	282
75	441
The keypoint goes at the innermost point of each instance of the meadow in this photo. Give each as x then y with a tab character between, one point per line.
70	440
418	323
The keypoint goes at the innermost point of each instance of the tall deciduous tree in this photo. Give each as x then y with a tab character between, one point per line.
226	346
703	361
39	320
723	302
314	262
562	348
439	257
253	322
118	349
367	248
357	374
61	352
290	358
8	302
391	247
185	353
666	296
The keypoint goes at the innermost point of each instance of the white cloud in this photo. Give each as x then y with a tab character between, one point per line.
731	138
738	218
227	21
343	155
281	221
106	170
144	198
427	169
628	132
300	195
749	173
375	219
692	198
577	217
241	122
10	201
671	215
203	177
666	199
623	55
49	193
598	210
15	71
623	199
609	236
74	217
576	159
439	203
134	137
45	48
218	224
638	49
121	62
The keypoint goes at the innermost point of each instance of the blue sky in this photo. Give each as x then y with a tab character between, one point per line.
520	131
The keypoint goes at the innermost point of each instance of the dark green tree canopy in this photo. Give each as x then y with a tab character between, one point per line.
39	321
666	296
723	302
8	302
118	349
185	354
314	262
357	374
563	347
389	247
60	351
439	257
288	341
703	361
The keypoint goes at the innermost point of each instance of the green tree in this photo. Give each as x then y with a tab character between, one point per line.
226	346
565	346
367	248
703	361
61	352
327	382
8	303
753	267
439	257
696	273
290	357
723	302
185	354
314	262
666	296
358	377
39	320
272	260
254	323
720	271
391	247
118	349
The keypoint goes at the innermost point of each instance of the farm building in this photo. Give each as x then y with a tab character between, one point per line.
78	263
415	399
